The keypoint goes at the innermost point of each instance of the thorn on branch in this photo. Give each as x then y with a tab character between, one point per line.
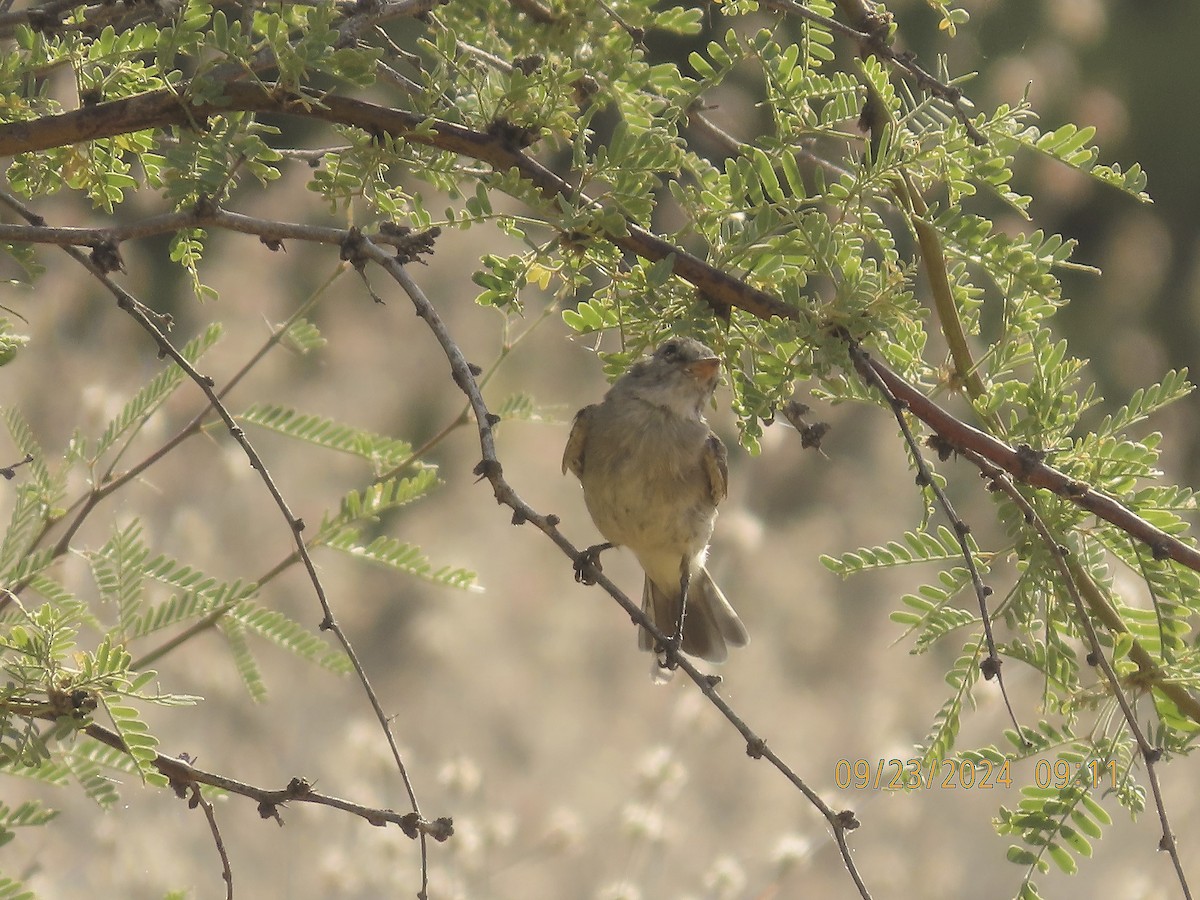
720	308
270	810
1028	459
513	136
810	435
1153	755
489	469
1093	659
106	257
990	667
527	65
441	829
575	241
10	472
475	370
942	447
273	244
493	419
410	245
351	249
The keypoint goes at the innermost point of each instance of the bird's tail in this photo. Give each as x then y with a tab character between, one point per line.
710	626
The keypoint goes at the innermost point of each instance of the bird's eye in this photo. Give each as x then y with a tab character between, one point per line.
670	350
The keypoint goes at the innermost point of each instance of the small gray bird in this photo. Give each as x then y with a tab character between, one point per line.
653	473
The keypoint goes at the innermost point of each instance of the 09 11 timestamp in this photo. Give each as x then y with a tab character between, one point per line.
966	774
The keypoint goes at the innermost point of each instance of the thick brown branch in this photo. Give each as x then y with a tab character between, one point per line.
722	289
161	109
1027	468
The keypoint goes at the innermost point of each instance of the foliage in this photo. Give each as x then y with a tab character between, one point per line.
842	227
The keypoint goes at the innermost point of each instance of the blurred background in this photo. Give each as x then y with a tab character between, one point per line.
525	711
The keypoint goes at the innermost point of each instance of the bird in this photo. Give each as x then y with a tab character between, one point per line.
653	474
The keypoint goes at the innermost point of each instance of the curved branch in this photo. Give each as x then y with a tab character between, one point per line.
499	148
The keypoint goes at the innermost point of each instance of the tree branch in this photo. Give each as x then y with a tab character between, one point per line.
497	148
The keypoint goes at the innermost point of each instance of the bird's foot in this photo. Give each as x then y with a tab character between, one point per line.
587	563
667	655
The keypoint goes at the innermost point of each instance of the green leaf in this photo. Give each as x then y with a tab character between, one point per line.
403	557
10	342
303	337
381	451
283	632
368	505
139	742
14	890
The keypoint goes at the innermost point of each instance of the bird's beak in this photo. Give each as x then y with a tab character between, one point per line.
704	369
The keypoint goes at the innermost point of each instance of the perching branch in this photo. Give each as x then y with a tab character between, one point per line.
490	468
497	148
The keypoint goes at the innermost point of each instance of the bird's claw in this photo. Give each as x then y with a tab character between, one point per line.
587	564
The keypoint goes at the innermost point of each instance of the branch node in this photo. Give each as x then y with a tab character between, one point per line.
512	136
351	248
846	820
270	810
756	748
1027	459
410	245
942	447
489	469
990	667
106	257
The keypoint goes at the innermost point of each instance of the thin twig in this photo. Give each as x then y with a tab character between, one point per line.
1069	575
145	318
183	775
720	288
990	666
296	526
197	799
870	33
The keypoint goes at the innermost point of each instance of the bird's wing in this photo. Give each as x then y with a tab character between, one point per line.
573	455
716	467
